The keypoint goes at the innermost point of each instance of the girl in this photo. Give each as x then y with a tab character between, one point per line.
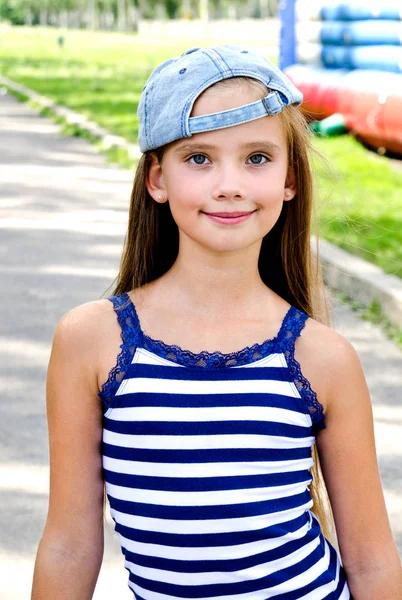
207	436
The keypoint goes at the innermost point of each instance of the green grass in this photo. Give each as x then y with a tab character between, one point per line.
102	75
360	202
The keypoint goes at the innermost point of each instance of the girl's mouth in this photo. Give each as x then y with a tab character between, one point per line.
229	218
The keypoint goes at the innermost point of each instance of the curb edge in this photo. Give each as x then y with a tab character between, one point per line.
360	280
109	140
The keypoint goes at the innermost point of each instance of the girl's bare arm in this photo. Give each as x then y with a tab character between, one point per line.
349	464
71	549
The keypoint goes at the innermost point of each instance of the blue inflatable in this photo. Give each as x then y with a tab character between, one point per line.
369	32
383	58
355	11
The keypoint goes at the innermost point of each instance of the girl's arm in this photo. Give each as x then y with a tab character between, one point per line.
349	464
71	548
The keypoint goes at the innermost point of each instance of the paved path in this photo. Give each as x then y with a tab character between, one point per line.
62	219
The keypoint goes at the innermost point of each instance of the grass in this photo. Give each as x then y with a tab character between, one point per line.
360	202
101	75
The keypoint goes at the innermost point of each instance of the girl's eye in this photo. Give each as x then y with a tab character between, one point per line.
198	159
258	159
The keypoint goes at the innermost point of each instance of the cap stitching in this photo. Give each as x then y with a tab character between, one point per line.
220	59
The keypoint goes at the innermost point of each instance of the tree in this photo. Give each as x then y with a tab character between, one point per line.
172	8
121	15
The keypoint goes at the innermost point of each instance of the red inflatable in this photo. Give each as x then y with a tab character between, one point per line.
370	101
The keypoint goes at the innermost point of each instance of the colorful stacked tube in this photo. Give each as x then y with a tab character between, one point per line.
348	60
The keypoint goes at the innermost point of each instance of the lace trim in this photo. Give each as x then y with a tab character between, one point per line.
294	328
129	337
284	342
216	359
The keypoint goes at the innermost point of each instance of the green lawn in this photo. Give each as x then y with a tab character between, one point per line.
360	202
98	74
102	74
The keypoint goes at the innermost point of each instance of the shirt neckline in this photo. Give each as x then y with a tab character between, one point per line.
206	359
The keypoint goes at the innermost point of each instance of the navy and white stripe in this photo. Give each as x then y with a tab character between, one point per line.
207	472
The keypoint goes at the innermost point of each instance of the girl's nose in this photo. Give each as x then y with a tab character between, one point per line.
228	184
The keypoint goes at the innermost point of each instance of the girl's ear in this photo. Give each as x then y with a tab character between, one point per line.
154	180
290	185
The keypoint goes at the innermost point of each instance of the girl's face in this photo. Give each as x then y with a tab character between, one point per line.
241	169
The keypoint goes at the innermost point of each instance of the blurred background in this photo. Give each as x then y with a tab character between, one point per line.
126	14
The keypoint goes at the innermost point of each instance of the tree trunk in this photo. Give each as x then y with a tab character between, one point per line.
186	11
28	17
43	17
232	9
272	8
227	9
204	10
92	14
63	18
133	18
121	15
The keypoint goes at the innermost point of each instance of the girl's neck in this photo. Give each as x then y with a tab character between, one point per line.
224	284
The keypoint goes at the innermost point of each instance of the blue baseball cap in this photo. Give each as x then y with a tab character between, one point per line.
172	88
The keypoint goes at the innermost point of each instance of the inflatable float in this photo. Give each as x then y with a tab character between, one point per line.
346	58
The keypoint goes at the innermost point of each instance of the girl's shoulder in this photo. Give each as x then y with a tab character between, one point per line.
327	342
90	333
85	320
327	359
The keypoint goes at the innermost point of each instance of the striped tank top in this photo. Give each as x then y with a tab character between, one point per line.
206	460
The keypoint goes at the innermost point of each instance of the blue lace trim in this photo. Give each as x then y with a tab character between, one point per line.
294	328
215	360
129	335
284	342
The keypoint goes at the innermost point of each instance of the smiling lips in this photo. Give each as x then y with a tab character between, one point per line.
228	215
230	218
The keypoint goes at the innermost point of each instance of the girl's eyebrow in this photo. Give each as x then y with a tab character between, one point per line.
258	144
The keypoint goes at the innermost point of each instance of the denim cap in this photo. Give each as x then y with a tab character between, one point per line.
172	88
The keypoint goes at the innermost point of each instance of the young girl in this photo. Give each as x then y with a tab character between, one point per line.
205	439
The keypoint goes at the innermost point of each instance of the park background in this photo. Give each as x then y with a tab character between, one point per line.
94	57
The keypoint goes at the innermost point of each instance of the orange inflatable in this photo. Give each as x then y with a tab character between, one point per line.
370	101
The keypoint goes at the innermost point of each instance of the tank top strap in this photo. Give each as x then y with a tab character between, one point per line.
291	329
126	317
129	332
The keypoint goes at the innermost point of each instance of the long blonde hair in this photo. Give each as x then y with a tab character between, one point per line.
286	263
